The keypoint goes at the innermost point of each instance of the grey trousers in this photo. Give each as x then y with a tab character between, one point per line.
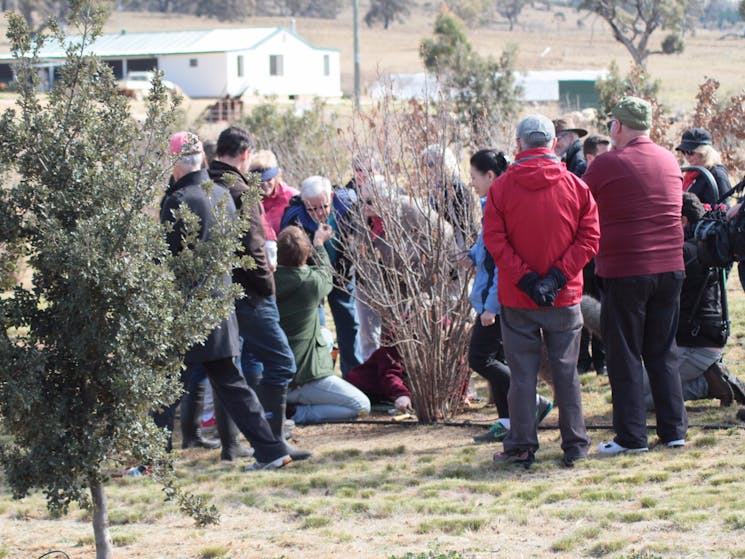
521	333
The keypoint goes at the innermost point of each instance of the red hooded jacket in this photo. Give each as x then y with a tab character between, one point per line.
540	216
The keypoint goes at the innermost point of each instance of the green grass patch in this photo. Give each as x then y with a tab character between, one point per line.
118	517
601	549
734	522
572	541
315	522
214	552
456	526
648	502
594	495
393	451
342	455
705	441
122	540
84	541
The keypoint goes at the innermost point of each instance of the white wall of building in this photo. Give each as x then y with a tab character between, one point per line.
303	68
207	79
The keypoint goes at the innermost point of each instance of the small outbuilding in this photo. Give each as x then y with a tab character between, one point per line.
573	89
213	62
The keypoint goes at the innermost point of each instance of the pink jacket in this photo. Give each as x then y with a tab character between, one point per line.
540	216
275	205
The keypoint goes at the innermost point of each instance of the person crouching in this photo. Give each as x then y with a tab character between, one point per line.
317	392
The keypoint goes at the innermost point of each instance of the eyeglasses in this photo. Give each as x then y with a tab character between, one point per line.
687	153
318	208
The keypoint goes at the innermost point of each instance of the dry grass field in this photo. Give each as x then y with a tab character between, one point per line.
427	492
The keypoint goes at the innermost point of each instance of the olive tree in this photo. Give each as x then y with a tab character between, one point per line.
95	341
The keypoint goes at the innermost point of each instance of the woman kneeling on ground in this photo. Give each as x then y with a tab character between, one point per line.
317	392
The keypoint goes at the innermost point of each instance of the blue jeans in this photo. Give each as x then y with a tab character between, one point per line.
326	399
265	350
347	327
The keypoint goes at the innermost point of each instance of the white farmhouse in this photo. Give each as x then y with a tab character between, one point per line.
214	62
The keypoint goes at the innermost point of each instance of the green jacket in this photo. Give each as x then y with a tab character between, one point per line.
299	292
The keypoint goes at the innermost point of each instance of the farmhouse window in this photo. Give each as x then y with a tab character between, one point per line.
276	66
240	65
326	65
193	62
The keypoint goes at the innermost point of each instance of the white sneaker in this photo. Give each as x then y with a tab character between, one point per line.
677	443
612	448
273	465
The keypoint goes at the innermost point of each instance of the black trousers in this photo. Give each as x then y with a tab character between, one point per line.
586	361
486	357
639	319
241	403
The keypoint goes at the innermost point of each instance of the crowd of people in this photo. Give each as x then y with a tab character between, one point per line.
609	219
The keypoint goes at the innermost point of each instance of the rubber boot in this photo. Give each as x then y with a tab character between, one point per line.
191	424
274	400
232	449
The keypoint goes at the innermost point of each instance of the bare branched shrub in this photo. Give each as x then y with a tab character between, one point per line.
726	122
405	252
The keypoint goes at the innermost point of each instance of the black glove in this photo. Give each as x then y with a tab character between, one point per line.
548	288
555	279
530	283
527	283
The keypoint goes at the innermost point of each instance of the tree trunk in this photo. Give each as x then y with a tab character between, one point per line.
101	522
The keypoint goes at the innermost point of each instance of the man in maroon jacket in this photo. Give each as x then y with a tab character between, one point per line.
541	227
637	187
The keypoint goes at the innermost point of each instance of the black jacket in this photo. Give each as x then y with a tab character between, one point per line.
223	340
700	187
700	325
259	280
575	159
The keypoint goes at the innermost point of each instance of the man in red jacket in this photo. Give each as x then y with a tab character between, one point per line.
541	227
640	262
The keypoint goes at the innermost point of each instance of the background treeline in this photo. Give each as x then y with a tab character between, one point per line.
711	14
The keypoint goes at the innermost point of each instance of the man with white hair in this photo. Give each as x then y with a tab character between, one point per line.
541	227
318	203
221	346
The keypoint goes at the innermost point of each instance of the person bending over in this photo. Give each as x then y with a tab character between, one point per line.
318	394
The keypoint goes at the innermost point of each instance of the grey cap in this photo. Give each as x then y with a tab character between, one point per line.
535	131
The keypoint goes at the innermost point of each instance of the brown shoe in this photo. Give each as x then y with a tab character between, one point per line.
737	386
719	388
